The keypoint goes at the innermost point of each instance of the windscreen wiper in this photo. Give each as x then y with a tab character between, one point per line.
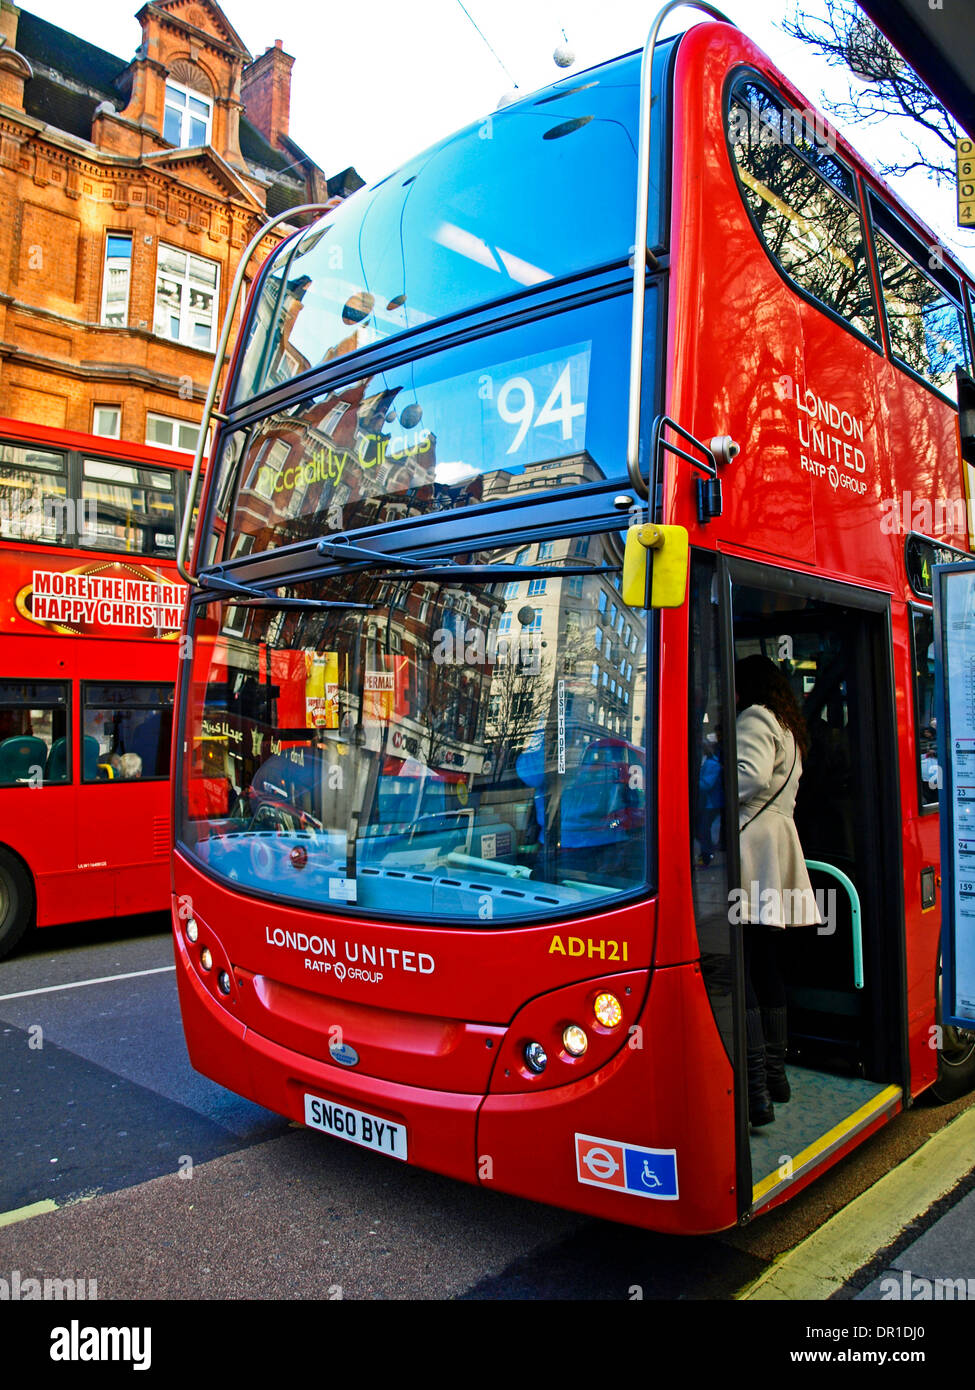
252	597
450	569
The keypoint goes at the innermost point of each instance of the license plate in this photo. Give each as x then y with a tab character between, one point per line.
357	1126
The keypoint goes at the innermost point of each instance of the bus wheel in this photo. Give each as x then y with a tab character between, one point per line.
16	902
956	1059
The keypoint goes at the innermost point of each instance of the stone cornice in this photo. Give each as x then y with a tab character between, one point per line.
102	330
160	170
102	371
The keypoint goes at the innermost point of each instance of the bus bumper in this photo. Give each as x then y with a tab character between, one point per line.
660	1102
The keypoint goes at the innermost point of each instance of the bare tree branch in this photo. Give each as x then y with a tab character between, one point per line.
847	39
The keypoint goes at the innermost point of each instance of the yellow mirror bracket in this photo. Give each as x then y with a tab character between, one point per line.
668	583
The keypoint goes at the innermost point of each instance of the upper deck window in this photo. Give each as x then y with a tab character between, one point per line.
33	495
129	509
925	319
543	189
803	200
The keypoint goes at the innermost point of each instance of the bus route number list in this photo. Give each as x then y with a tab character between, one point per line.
959	632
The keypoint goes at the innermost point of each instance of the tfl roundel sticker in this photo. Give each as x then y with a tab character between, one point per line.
611	1163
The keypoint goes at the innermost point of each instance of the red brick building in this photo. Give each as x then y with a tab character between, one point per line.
128	191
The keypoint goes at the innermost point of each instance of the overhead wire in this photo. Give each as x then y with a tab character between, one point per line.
488	44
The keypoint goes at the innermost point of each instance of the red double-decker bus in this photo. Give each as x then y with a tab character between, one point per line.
494	511
91	608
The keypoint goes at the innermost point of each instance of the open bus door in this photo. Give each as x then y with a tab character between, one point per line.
845	979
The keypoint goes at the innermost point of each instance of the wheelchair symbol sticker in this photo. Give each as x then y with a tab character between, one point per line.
627	1168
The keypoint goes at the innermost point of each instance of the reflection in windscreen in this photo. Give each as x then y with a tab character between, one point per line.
490	212
467	752
543	408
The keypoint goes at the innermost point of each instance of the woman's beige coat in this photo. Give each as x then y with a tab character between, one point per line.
773	872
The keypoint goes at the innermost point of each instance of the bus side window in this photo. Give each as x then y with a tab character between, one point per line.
926	724
33	734
130	725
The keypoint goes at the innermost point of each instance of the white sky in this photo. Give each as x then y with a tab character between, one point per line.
376	81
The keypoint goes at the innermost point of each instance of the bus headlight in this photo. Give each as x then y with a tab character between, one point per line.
223	982
608	1010
206	960
574	1040
192	930
536	1059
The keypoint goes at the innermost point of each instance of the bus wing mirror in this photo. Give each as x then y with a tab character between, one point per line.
668	575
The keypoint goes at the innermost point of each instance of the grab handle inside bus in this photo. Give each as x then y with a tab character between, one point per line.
182	550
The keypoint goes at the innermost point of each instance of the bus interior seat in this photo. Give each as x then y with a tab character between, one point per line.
57	762
18	756
90	757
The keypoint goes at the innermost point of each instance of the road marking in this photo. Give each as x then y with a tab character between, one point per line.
828	1258
10	1218
80	984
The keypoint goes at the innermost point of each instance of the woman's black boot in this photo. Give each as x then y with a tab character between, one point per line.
760	1110
775	1028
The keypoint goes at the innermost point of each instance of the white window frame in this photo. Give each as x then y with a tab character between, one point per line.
175	421
185	337
184	113
106	405
116	263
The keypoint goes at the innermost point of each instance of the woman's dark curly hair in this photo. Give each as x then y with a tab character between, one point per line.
758	681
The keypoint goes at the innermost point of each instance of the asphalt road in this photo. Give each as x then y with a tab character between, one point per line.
161	1185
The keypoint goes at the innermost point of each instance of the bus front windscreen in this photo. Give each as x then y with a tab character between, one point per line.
543	189
471	752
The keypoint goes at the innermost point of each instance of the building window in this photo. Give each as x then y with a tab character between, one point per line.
545	550
505	623
170	433
186	298
115	284
511	590
536	587
581	547
574	586
106	420
188	117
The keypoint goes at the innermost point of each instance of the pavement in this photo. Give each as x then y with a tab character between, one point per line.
909	1237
